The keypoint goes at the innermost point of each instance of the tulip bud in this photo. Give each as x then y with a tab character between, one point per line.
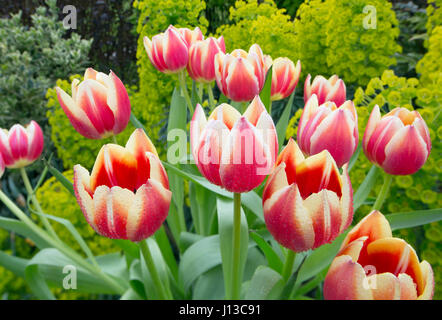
326	127
2	166
240	75
169	51
21	146
398	142
99	106
372	265
233	151
285	77
332	89
306	201
127	195
191	36
201	66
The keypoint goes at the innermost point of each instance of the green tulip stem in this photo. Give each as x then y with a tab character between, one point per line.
200	91
74	256
288	265
114	139
211	98
383	193
184	92
34	200
150	264
236	250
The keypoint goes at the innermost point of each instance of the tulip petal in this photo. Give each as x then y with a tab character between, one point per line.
226	113
341	143
408	287
428	275
292	156
115	166
255	110
77	116
118	102
345	281
246	159
197	125
406	152
241	81
148	211
386	286
396	256
175	50
288	220
83	193
277	181
157	171
372	123
266	128
36	142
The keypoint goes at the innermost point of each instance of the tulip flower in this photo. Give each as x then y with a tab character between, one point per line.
231	150
326	127
169	51
201	66
99	106
306	201
240	75
372	265
127	194
285	77
2	166
21	146
398	142
191	36
332	89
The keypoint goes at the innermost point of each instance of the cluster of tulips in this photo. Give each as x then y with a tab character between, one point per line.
307	198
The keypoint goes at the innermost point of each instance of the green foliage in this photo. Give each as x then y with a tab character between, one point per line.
72	148
430	67
331	39
434	12
362	53
156	88
262	23
310	36
31	59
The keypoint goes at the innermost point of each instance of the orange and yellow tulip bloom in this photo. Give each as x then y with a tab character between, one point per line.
373	265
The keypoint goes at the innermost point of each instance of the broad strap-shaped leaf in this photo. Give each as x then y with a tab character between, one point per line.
283	121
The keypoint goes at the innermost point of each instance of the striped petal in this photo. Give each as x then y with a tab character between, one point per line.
36	141
344	281
246	159
428	276
115	166
288	220
405	153
241	82
197	125
175	50
372	123
118	102
225	113
148	211
386	286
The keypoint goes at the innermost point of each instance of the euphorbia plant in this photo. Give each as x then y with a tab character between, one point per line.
239	188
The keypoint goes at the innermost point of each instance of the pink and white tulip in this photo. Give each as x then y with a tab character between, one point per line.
399	142
306	201
285	77
201	65
191	36
169	51
127	194
240	75
332	89
372	265
231	150
327	127
21	146
99	106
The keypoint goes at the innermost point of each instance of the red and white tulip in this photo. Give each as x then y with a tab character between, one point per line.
201	65
99	106
399	142
21	146
127	194
372	265
332	89
307	202
285	77
169	51
231	150
327	127
240	75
